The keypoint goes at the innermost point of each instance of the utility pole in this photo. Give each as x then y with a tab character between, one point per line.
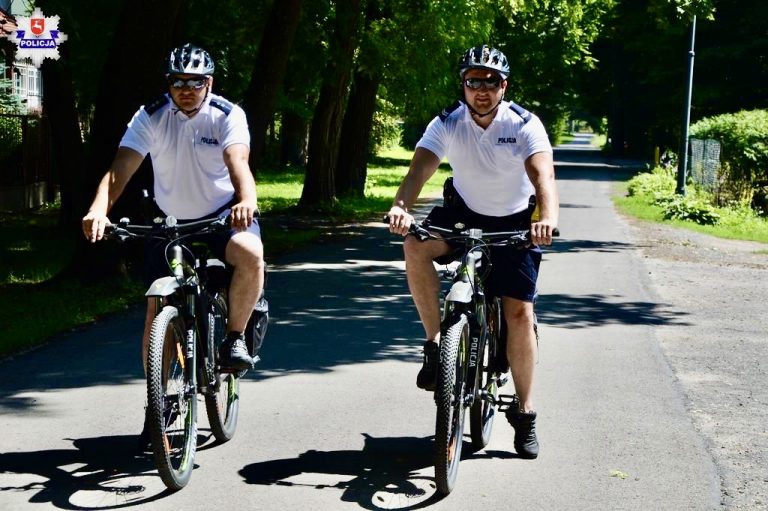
682	160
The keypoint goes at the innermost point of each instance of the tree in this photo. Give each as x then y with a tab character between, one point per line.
269	72
319	186
356	129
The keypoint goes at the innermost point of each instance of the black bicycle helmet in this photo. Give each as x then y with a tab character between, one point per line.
189	60
484	57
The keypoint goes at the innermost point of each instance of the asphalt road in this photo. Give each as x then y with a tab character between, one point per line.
332	418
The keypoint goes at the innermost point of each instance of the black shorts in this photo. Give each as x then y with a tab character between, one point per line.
514	271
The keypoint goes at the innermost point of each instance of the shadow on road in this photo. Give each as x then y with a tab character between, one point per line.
381	475
385	474
569	311
98	473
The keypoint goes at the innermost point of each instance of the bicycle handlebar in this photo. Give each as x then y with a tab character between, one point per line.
518	237
169	228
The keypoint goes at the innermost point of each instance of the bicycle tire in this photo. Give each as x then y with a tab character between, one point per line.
223	406
171	410
483	412
449	398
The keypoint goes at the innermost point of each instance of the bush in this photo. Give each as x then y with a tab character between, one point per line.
657	182
679	207
744	144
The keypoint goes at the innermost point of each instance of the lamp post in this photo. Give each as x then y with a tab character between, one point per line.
682	161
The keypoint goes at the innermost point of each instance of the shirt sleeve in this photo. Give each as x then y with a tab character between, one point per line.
434	138
535	138
138	136
235	128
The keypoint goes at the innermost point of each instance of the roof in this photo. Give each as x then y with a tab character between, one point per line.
7	24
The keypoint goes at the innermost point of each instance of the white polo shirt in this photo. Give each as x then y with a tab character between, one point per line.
488	164
191	179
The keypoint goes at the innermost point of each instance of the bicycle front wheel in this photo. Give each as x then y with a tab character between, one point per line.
222	406
449	397
171	404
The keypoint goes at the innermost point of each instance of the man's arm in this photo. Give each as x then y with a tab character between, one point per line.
113	183
541	172
236	159
423	166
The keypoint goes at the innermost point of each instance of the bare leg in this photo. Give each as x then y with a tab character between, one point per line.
521	348
246	253
424	282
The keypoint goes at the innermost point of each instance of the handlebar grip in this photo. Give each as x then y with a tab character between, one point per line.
555	232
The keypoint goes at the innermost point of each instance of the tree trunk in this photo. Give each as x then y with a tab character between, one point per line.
293	140
355	136
132	77
66	142
319	185
269	72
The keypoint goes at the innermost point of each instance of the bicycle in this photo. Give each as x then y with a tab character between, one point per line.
472	357
184	344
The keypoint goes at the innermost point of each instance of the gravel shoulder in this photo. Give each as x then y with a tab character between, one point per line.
719	348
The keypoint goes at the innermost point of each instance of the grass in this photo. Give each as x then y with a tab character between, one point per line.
33	251
737	224
34	305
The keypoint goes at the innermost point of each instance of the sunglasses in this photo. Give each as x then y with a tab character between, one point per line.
193	83
477	83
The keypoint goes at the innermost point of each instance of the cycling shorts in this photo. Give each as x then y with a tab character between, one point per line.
156	263
514	271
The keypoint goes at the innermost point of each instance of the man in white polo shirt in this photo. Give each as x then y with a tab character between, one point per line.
500	156
199	145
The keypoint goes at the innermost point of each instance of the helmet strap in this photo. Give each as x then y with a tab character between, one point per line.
478	114
189	113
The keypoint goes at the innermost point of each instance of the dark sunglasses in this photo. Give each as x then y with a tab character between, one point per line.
194	83
477	83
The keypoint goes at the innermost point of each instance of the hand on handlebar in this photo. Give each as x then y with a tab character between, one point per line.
399	220
542	233
94	224
242	215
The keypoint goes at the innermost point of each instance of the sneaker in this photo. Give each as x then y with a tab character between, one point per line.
526	444
427	377
233	353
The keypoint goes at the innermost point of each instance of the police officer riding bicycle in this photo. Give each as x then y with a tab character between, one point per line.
500	155
199	144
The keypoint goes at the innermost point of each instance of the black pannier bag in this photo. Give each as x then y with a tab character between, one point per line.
257	326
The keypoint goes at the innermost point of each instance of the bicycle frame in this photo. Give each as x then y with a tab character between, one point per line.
184	290
466	296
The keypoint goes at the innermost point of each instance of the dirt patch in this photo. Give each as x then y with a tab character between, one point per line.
719	351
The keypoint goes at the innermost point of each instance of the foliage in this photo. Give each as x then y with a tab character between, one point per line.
658	187
657	182
10	138
680	207
548	45
9	103
744	144
386	129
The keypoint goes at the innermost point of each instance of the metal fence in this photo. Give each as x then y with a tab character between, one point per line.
705	166
25	161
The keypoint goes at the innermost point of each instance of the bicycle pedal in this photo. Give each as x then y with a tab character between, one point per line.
506	402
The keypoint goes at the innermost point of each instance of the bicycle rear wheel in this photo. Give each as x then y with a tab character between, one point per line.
221	407
483	411
171	407
449	397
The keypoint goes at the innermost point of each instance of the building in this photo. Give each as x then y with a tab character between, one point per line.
26	80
